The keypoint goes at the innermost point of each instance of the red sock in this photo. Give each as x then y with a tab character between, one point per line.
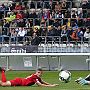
3	76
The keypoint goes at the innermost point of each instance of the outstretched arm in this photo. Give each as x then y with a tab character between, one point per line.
45	84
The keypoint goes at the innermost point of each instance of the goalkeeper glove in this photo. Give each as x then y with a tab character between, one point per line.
84	82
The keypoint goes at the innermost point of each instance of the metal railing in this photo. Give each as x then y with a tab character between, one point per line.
48	44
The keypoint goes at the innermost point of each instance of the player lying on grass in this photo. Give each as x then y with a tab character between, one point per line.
28	81
83	81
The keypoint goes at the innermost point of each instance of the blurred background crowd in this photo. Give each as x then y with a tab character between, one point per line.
67	19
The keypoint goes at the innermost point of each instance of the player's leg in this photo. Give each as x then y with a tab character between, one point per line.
0	82
3	81
3	76
7	83
14	82
87	78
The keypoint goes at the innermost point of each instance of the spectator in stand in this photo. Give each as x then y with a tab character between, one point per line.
21	33
10	17
56	23
26	14
87	35
28	36
74	24
31	22
13	24
47	5
58	15
5	30
80	34
40	4
32	5
69	33
44	31
68	23
33	14
58	7
87	22
12	34
43	23
46	14
29	32
64	5
36	33
18	7
59	29
19	15
73	14
67	14
80	13
3	10
21	23
74	36
5	27
51	33
64	33
27	23
85	5
80	22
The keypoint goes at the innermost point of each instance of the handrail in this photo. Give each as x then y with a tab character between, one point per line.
53	46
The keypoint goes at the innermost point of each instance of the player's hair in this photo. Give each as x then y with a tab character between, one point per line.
39	69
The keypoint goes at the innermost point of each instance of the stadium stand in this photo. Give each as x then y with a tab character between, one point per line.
53	25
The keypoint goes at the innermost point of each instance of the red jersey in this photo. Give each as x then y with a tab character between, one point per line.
28	81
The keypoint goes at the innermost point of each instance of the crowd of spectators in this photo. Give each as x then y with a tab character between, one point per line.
62	18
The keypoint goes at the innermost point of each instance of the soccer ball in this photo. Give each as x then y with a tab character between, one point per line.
65	76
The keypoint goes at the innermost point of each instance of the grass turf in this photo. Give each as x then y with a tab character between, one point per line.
51	77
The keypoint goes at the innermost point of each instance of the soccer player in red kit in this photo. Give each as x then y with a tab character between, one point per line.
28	81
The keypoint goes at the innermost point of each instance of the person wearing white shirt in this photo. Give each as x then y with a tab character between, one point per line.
21	34
87	35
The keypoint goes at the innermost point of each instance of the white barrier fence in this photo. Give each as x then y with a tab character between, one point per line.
48	61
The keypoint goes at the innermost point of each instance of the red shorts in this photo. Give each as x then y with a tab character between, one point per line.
16	82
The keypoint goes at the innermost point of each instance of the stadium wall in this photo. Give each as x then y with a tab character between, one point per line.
47	62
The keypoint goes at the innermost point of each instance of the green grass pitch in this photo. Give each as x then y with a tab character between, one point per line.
51	77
